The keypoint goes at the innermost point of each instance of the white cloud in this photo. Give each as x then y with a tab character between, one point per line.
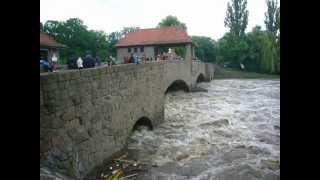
202	17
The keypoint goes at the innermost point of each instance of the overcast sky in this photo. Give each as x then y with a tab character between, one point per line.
202	17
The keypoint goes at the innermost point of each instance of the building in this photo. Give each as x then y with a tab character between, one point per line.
148	42
48	46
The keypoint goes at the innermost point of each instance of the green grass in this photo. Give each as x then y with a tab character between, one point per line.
223	73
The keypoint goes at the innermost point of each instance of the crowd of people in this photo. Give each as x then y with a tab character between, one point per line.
84	62
90	62
73	63
143	59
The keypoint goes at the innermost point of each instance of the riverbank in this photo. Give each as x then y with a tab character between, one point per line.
223	73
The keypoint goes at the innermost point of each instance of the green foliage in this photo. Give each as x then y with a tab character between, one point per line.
259	51
270	59
272	16
172	21
237	17
205	48
114	37
80	40
254	40
126	30
232	50
180	51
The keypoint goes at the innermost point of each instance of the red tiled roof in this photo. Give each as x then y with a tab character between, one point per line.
46	40
167	35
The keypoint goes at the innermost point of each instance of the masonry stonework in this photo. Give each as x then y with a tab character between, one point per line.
87	115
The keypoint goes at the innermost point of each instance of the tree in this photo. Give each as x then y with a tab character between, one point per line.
172	21
254	40
270	59
277	23
205	48
115	36
232	50
237	17
78	38
126	30
41	27
272	16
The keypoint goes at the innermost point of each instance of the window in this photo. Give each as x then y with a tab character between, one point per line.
141	49
129	50
135	49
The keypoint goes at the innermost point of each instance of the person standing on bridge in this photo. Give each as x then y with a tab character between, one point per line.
80	63
131	58
46	65
54	62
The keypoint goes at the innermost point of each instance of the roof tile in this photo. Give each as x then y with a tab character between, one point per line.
167	35
46	40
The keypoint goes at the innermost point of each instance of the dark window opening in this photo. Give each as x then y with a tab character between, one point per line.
135	50
129	50
141	49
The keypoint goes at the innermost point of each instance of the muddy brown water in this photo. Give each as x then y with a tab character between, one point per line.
230	132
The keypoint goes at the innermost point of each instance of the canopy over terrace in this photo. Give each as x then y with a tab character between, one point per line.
148	41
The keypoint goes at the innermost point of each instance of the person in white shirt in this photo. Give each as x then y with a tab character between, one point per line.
54	61
80	63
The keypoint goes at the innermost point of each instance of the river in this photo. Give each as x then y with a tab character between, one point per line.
230	132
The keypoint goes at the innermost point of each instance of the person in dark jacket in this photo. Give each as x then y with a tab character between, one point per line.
92	62
46	65
88	61
131	59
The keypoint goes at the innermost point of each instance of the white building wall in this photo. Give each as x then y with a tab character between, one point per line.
122	52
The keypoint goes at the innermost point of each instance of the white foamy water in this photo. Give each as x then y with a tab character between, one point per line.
230	132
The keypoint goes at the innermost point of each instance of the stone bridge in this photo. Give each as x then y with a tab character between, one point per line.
88	115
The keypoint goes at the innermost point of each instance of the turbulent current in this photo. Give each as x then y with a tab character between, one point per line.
230	132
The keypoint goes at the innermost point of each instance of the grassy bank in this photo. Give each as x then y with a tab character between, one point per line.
223	73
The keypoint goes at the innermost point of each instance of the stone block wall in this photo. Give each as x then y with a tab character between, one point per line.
87	115
176	70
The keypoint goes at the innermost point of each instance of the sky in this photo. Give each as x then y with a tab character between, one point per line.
202	17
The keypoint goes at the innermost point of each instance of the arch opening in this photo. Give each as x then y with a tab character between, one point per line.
200	78
142	123
178	85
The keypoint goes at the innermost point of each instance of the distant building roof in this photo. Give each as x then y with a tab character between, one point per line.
46	40
154	36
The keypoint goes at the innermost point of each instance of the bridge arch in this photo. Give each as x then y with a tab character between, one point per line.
178	85
200	78
143	121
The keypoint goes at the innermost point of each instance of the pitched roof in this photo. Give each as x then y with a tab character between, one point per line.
167	35
46	40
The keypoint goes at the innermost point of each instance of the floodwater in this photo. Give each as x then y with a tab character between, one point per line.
230	132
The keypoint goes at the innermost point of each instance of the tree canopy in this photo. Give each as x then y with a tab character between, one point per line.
237	17
80	40
205	48
172	21
272	16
